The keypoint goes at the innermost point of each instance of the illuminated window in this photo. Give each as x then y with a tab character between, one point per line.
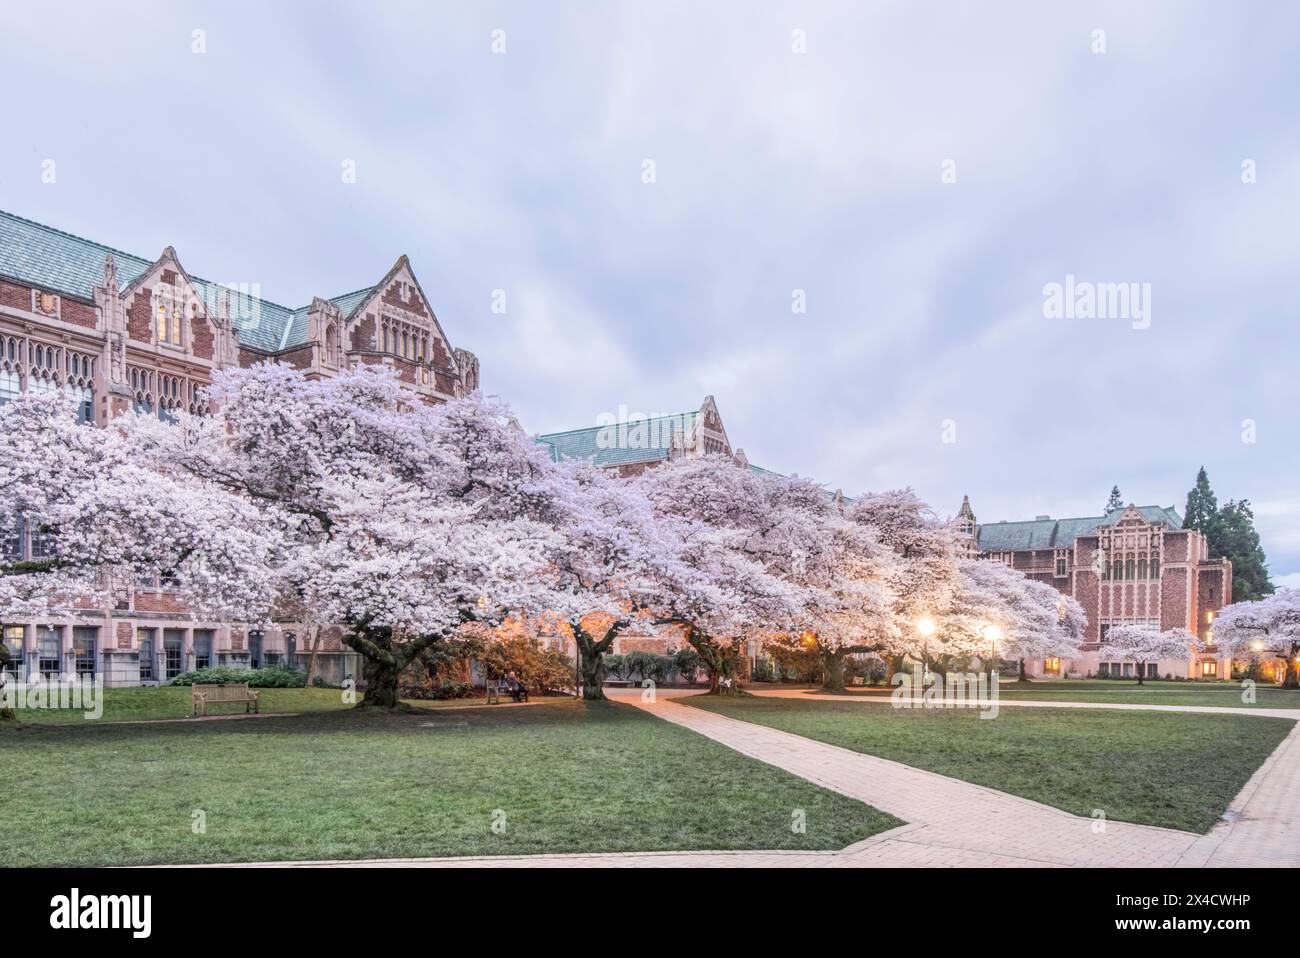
1209	669
162	324
1052	665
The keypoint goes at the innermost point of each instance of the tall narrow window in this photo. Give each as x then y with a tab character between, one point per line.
1142	568
9	385
1155	568
83	645
144	639
162	324
49	650
202	648
13	640
332	345
1128	569
173	652
1117	570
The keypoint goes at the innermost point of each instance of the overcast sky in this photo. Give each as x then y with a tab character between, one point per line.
774	171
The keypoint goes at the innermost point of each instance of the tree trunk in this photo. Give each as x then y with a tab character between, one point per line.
381	683
1292	678
1141	671
592	667
591	659
311	659
6	714
833	665
1022	675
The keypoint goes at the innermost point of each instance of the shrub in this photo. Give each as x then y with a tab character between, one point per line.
272	677
540	670
446	690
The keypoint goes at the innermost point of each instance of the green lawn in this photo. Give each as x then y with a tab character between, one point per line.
1156	768
174	702
1119	692
1226	694
345	784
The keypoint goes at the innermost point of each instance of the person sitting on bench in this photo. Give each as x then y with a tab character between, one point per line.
516	688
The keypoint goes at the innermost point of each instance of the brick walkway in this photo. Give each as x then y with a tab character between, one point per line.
953	823
1261	827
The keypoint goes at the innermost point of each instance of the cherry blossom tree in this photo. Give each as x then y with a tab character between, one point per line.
610	566
996	610
1052	625
1142	644
101	513
920	578
386	528
733	557
1270	625
846	579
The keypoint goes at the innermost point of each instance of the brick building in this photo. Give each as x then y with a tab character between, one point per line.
122	332
1135	565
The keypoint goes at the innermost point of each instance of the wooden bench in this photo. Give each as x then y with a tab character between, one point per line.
495	689
235	693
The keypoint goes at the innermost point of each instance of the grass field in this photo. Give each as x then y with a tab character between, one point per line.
1227	694
334	783
1178	770
1224	694
174	702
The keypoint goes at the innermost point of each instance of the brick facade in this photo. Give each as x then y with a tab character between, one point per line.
1134	565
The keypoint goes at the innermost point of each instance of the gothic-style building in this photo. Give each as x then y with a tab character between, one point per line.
1135	565
631	445
122	332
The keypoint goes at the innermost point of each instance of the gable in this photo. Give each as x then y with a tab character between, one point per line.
396	305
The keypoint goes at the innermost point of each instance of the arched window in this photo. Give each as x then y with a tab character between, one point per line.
332	345
9	385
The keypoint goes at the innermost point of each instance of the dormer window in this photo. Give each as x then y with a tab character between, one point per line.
169	325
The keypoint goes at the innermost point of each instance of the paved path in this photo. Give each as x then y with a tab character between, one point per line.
954	823
1261	826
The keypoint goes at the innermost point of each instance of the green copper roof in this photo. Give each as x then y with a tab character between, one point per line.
645	440
50	259
1059	533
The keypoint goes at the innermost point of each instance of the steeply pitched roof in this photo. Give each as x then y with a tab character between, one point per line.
37	255
1059	533
620	444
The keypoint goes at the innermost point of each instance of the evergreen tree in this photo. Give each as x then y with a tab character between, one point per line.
1116	501
1202	507
1234	538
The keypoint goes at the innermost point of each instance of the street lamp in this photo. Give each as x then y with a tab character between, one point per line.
993	633
925	628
